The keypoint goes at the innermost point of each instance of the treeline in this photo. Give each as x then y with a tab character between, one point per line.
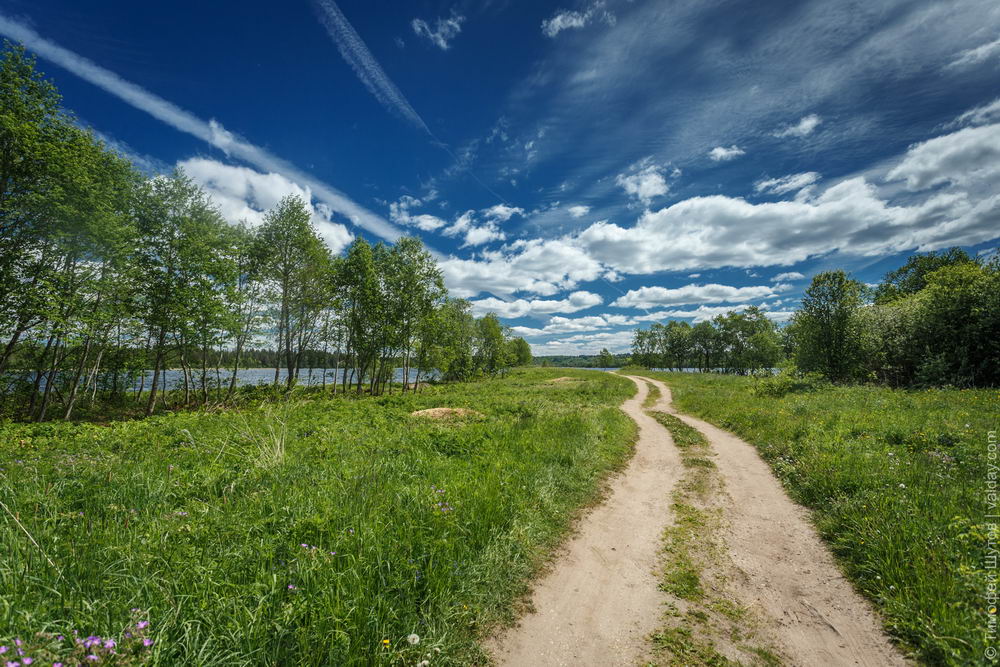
738	342
935	321
106	275
603	360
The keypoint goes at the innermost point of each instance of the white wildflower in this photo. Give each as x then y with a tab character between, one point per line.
413	639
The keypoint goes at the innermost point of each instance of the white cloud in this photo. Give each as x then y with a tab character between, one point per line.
502	212
445	30
786	184
544	267
210	132
717	231
784	277
650	297
977	55
965	157
483	234
576	301
561	325
723	154
241	194
589	343
353	49
803	128
644	180
566	20
399	212
981	115
578	211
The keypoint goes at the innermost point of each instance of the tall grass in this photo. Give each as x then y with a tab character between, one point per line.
896	484
318	533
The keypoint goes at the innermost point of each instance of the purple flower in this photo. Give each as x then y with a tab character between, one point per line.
110	643
3	649
13	664
57	664
147	642
92	658
27	661
304	545
142	624
291	587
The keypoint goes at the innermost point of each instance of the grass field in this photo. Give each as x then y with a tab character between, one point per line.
896	481
314	532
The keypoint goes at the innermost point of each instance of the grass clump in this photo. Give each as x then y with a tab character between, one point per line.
894	479
322	531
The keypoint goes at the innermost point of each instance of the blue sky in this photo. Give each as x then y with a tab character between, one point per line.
579	167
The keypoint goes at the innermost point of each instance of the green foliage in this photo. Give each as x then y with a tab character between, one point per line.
893	479
605	359
520	351
789	381
912	277
827	338
419	526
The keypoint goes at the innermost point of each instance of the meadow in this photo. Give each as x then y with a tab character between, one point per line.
896	482
311	531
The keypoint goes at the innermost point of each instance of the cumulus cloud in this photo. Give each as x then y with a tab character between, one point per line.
803	128
965	157
502	212
242	194
561	325
399	212
723	154
977	55
544	267
445	30
576	301
567	20
644	181
578	211
651	297
786	184
784	277
586	343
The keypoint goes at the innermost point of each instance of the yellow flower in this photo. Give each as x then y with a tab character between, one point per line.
385	642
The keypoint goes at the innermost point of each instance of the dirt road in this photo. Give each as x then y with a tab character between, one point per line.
600	600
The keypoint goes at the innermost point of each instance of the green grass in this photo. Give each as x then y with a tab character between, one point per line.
895	480
196	519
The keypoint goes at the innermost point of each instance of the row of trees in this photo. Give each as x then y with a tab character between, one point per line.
737	342
933	321
106	275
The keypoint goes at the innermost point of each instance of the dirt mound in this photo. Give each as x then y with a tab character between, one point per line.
446	413
564	378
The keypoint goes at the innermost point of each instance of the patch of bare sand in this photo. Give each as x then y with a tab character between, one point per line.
446	413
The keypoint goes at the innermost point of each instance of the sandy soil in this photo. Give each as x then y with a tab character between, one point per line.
600	600
446	413
784	571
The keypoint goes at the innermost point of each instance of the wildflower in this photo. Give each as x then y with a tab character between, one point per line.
424	663
385	642
11	663
92	658
27	661
110	643
413	639
304	545
142	624
3	649
902	486
57	664
291	587
147	642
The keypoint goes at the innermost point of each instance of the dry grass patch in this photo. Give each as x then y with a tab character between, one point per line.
565	378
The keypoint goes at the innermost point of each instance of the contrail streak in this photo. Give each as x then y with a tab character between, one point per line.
210	132
361	60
